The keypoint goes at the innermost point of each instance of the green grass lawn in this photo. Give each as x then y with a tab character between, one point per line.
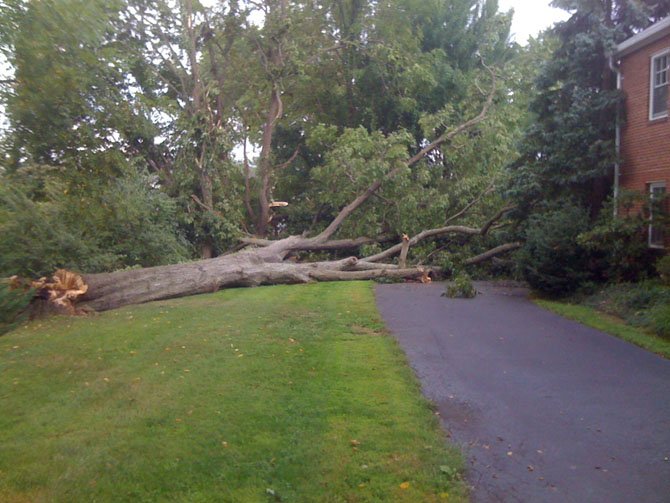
285	393
610	324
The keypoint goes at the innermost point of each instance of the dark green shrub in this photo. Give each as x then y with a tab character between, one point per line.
659	319
551	260
103	226
638	296
663	269
644	304
461	287
13	306
617	247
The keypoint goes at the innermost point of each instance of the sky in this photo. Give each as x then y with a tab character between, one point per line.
531	17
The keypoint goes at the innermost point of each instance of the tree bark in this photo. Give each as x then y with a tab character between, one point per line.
250	267
274	63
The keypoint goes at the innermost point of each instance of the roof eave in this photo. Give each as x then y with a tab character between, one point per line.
655	32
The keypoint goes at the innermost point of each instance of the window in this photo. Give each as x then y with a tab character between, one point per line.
656	214
660	71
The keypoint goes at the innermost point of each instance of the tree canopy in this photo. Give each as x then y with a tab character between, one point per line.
565	170
212	112
148	132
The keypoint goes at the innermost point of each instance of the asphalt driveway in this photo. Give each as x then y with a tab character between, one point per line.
546	409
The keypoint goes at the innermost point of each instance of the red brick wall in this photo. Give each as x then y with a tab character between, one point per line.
645	144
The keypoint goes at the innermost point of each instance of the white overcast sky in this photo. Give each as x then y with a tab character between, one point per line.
531	17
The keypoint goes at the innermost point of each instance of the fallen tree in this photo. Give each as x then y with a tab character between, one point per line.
265	265
263	261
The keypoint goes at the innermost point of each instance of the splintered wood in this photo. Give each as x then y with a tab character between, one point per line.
61	291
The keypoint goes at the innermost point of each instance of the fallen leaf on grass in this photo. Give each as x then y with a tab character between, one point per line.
354	443
404	485
448	470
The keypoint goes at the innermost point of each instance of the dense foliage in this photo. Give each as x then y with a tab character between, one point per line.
552	260
645	304
13	306
568	151
48	224
147	131
144	132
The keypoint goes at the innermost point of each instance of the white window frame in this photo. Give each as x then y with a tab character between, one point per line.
652	186
652	86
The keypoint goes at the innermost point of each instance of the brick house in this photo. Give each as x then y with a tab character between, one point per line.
643	137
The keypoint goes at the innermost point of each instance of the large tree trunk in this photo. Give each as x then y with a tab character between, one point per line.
251	267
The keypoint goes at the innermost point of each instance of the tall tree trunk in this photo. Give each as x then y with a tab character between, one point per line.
274	64
265	162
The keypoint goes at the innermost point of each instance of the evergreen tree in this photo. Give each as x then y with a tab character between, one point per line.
569	150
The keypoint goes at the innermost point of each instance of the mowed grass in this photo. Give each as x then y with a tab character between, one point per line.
284	393
609	324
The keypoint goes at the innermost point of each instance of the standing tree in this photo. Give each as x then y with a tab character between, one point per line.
568	153
569	150
75	190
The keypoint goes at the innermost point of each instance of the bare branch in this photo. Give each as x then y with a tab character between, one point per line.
311	245
205	207
404	250
448	135
492	253
488	225
247	182
326	275
348	210
362	265
280	106
451	229
487	191
286	164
